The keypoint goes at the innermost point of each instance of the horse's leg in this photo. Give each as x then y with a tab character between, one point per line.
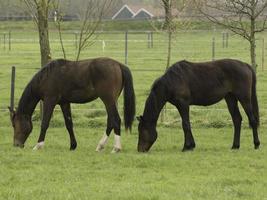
66	110
48	107
246	104
117	130
189	143
103	141
113	122
236	118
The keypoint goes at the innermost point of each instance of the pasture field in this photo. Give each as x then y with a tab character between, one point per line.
212	171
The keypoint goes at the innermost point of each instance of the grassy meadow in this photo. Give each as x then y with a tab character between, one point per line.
212	171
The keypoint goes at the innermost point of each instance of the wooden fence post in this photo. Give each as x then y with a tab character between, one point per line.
9	40
148	40
226	39
152	42
213	48
126	48
263	53
223	40
4	41
76	40
12	89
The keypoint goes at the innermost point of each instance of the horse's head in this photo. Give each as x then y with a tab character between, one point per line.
147	135
22	127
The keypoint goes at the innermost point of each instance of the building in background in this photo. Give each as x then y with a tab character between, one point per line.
143	14
125	12
135	12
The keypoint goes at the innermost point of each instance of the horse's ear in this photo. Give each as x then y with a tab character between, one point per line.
139	118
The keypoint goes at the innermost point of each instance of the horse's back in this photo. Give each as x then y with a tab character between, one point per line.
81	81
208	82
100	67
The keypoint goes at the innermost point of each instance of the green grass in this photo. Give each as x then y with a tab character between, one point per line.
212	171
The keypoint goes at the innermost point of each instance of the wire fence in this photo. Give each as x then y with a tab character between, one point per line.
144	52
123	45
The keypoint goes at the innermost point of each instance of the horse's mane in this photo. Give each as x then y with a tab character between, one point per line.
159	89
29	94
48	68
178	67
54	63
152	105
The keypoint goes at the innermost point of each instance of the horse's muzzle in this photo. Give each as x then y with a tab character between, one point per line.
18	144
143	148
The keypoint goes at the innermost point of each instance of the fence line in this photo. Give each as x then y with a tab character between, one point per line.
214	46
150	43
13	75
12	90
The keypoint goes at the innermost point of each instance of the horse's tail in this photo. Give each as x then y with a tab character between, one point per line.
129	97
254	100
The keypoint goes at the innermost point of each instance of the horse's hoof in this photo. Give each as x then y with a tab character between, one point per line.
257	146
185	149
189	147
99	148
38	146
116	150
235	147
73	146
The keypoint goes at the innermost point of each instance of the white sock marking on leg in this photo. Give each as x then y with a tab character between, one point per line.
117	141
117	144
39	145
102	142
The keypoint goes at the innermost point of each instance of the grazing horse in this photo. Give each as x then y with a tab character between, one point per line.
186	83
63	82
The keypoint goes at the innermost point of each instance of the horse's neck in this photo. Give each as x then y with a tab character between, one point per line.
154	105
27	102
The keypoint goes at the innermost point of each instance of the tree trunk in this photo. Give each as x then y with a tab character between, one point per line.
253	54
42	15
164	110
42	23
252	40
168	26
167	9
252	43
169	48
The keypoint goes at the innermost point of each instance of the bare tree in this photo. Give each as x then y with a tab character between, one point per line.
58	19
172	10
38	9
91	18
243	17
167	5
91	13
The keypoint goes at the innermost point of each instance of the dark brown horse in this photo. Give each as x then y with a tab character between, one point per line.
63	82
187	83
